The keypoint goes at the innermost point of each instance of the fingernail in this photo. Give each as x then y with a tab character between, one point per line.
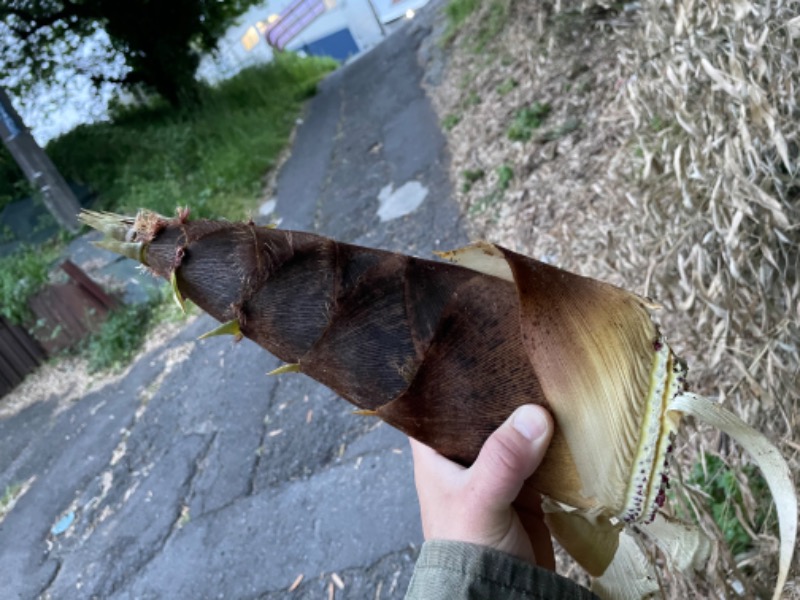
530	422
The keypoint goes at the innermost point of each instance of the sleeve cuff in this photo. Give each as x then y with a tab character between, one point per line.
447	569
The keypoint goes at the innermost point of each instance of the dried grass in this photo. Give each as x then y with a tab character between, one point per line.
680	183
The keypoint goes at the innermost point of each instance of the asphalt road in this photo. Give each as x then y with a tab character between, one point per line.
198	476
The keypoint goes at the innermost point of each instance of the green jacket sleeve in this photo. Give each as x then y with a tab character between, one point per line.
459	571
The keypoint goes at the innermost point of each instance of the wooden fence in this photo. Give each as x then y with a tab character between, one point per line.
64	313
19	355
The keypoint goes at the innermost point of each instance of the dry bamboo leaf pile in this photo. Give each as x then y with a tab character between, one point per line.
446	351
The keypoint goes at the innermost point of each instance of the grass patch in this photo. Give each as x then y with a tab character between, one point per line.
492	23
211	157
526	120
458	11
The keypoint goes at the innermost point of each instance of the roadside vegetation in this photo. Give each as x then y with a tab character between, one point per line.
212	156
654	145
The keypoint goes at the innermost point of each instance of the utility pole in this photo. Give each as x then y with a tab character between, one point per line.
37	166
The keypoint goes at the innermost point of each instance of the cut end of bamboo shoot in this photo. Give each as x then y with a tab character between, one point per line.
133	250
116	227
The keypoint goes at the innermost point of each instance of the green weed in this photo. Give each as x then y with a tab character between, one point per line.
719	481
486	202
458	11
470	177
526	120
450	121
9	498
504	176
22	275
570	125
508	85
472	99
119	338
492	24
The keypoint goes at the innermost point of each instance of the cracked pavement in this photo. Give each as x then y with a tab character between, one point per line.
199	476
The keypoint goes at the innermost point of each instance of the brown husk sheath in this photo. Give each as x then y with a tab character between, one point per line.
434	349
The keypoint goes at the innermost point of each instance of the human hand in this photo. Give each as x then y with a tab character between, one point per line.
475	504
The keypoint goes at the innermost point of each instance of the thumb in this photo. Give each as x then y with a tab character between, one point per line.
511	455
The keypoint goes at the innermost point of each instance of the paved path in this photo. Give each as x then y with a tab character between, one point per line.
197	476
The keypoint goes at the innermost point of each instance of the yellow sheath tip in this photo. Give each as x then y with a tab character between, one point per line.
176	293
290	368
229	328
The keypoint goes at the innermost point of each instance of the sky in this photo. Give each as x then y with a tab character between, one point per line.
52	109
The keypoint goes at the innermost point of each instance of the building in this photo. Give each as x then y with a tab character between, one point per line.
336	28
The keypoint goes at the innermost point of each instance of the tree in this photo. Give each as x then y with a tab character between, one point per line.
161	41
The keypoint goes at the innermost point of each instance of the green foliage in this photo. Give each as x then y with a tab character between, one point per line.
492	23
724	491
458	11
211	157
160	42
119	337
504	176
657	124
450	121
508	85
470	177
22	274
472	99
13	184
526	120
